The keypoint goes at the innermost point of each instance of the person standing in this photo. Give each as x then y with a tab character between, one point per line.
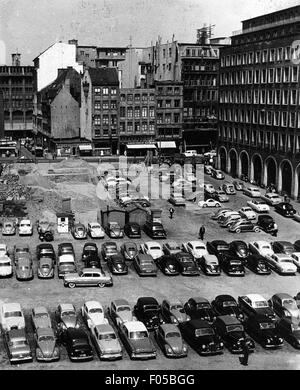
171	211
202	232
245	355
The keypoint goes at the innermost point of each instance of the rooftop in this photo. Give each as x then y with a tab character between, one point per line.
104	76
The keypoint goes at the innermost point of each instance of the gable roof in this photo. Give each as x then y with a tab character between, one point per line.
104	76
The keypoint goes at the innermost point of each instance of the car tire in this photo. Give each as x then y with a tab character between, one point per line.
238	231
71	285
218	205
257	230
101	285
204	206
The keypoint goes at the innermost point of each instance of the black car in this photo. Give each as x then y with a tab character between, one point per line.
187	265
264	331
258	264
289	330
129	250
117	265
77	344
109	248
88	249
232	332
285	209
200	308
201	336
267	224
168	265
239	249
132	230
297	246
256	304
65	248
45	250
232	265
147	310
92	260
285	247
218	248
155	230
226	305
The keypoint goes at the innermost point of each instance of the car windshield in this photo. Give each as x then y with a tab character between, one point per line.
151	308
289	302
157	228
265	247
25	224
235	328
235	262
22	250
199	247
186	260
68	263
285	261
46	338
221	248
68	313
82	341
204	332
6	264
123	308
260	304
132	249
155	248
45	265
146	262
178	307
41	315
138	335
19	343
266	325
203	306
111	249
172	334
229	304
107	336
95	227
90	248
96	310
11	314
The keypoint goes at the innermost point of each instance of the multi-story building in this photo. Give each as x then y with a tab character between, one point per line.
99	114
137	120
259	130
17	84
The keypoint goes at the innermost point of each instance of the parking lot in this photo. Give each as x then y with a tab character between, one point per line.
183	227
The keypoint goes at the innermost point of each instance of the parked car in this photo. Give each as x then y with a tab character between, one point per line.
136	340
233	334
201	336
79	231
232	265
155	230
238	185
263	330
284	305
256	304
220	196
88	249
40	318
24	270
226	222
243	226
200	308
129	250
297	245
271	198
45	230
187	265
17	346
92	261
171	248
45	250
95	230
218	248
77	344
209	265
283	264
132	230
248	213
11	317
92	313
109	248
145	265
227	215
66	317
209	203
217	174
177	200
113	230
285	209
259	206
25	228
106	342
88	277
9	228
141	201
117	265
168	265
173	311
66	265
285	247
252	192
6	266
148	311
224	305
47	349
65	248
296	259
196	248
120	311
240	249
229	189
152	248
267	224
262	248
169	339
218	214
20	250
289	329
258	264
3	250
45	268
209	188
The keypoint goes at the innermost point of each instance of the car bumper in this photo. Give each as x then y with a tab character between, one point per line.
134	235
190	273
48	359
81	358
143	356
110	356
8	233
26	234
143	273
230	273
22	359
176	354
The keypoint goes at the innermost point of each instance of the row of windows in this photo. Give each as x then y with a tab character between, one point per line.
263	96
105	91
200	112
106	120
137	127
138	112
202	52
204	81
105	132
168	132
106	105
168	118
168	103
198	67
169	90
137	97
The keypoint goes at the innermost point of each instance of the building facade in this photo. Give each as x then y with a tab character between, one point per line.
259	111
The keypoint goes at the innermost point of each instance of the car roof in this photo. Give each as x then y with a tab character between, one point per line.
45	332
152	243
283	296
147	301
174	301
67	306
17	333
135	326
45	246
225	298
282	256
109	243
200	300
195	243
104	328
260	318
260	243
40	309
66	256
255	297
77	332
94	223
11	306
172	244
4	259
199	323
65	244
229	320
211	258
219	242
121	302
91	270
46	260
93	304
143	256
129	244
169	328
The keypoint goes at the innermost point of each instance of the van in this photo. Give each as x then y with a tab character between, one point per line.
229	189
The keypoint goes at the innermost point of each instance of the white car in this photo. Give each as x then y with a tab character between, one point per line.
296	259
6	267
252	192
248	213
195	248
25	228
282	263
3	250
152	248
93	314
209	188
11	317
95	230
272	199
190	153
259	206
182	183
209	203
262	248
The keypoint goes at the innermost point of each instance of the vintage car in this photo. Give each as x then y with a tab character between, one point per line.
40	318
65	248
209	265
11	317
267	224
66	265
200	308
114	230
117	265
187	264
45	250
120	311
200	335
20	250
296	259
136	340
239	248
238	185
6	266
88	277
171	248
259	206
169	339
145	265
129	250
217	174
24	269
248	213
93	314
256	304
243	226
155	230
229	189
177	200
45	230
252	192
66	317
233	334
282	264
25	228
88	249
224	305
289	329
108	249
263	330
79	231
297	245
77	344
227	214
262	248
271	198
196	248
152	248
106	342
209	203
148	311
284	305
47	349
45	268
284	247
92	261
220	196
285	209
95	230
217	248
173	312
168	265
218	214
232	265
258	264
17	346
132	230
9	228
225	222
209	188
140	200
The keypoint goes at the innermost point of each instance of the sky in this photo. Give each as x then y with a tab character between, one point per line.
30	26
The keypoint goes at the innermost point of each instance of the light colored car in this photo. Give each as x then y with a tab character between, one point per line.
24	269
120	311
252	192
195	248
225	222
285	305
282	263
47	349
79	231
210	265
88	277
177	199
256	304
40	318
219	213
217	174
171	247
152	248
220	196
95	230
228	188
93	314
65	265
296	259
9	228
3	250
106	342
247	212
226	214
66	316
25	228
11	317
6	267
209	188
209	203
169	339
17	346
259	206
190	153
173	311
262	248
272	199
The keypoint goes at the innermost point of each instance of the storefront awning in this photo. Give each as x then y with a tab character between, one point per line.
166	145
85	147
141	146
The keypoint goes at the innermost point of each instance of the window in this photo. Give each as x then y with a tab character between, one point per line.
137	127
257	76
151	112
277	99
176	90
272	55
97	106
294	75
97	120
286	72
144	97
270	96
265	56
97	91
105	105
152	127
137	112
113	91
293	96
168	103
97	133
278	75
137	98
276	118
151	96
113	105
176	118
122	127
122	112
129	112
123	98
257	57
144	127
129	97
168	118
105	91
105	119
129	127
285	97
279	54
292	119
284	119
144	112
271	75
113	119
164	53
170	52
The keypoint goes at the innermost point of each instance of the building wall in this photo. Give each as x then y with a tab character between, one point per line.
86	109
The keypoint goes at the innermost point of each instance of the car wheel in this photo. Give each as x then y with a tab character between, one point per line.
238	231
204	206
71	285
218	205
101	285
257	230
144	204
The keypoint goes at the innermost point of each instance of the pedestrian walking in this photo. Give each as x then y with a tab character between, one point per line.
171	211
244	357
202	232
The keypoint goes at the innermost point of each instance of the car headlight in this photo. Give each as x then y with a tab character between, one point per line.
39	352
241	316
184	348
221	344
174	320
280	339
169	349
188	318
56	351
77	325
203	346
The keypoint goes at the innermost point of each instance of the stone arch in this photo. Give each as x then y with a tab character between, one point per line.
223	159
285	178
244	163
270	171
257	168
233	162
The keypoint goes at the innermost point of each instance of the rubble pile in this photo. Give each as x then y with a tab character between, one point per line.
12	189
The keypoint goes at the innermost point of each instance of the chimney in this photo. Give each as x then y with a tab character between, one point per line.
16	59
73	42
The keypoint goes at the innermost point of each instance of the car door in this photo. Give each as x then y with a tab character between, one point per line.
85	279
